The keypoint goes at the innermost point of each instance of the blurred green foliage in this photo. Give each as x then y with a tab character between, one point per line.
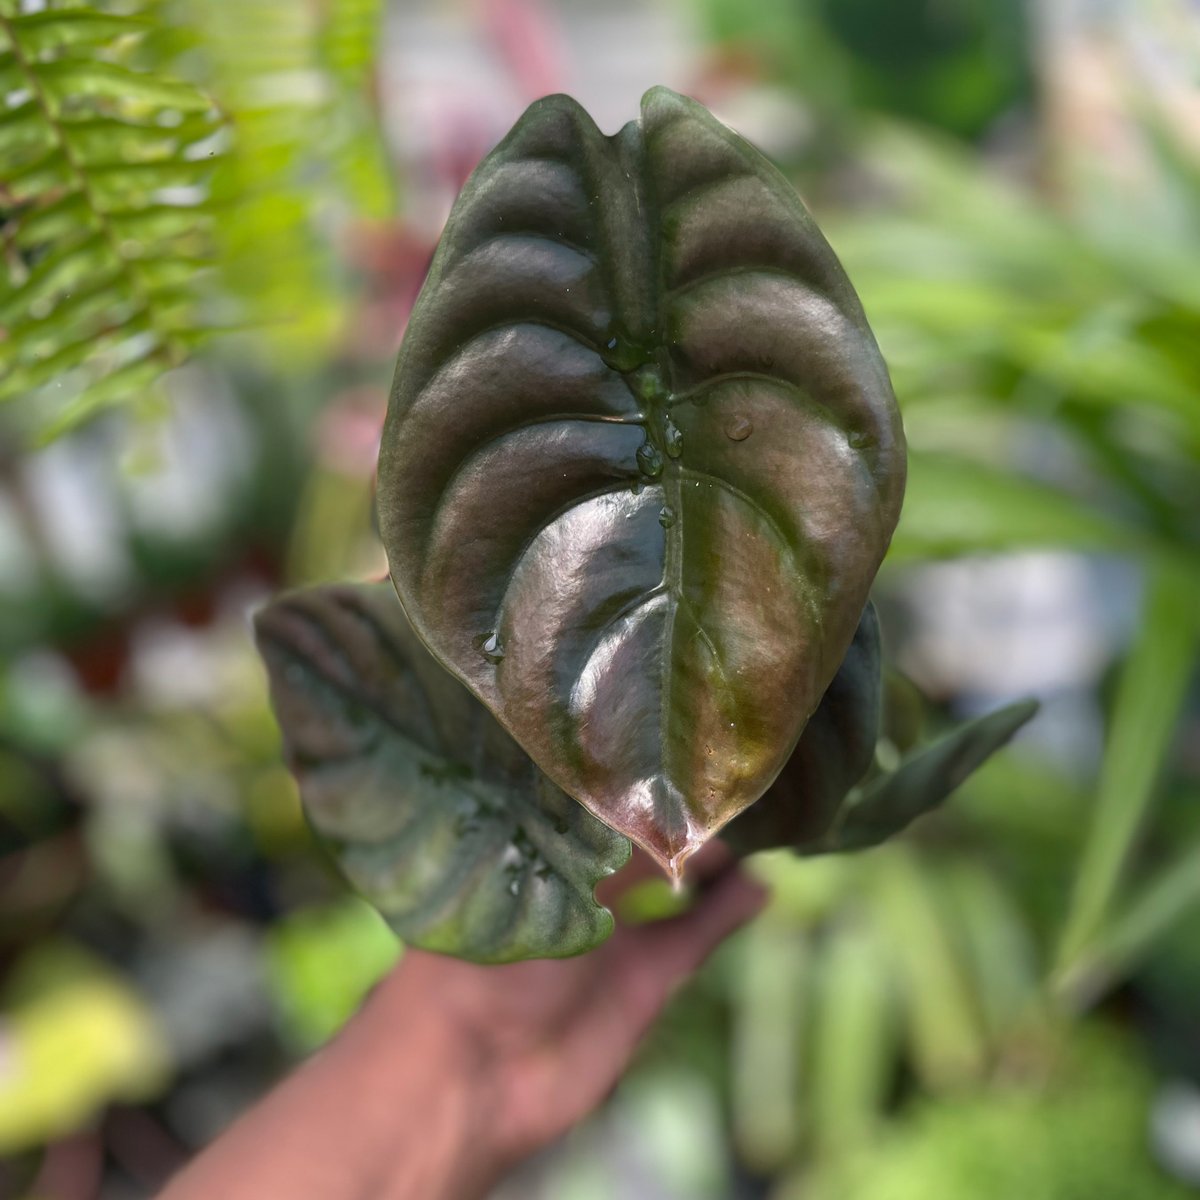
103	209
322	962
174	171
77	1036
1079	1133
934	1019
954	64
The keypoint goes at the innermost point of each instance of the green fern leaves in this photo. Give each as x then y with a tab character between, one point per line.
141	213
104	213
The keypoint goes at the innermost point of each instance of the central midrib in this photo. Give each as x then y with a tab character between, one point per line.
653	380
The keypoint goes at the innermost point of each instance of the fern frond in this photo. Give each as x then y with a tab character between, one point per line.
294	79
103	205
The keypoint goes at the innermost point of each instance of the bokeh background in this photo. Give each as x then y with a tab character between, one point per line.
214	217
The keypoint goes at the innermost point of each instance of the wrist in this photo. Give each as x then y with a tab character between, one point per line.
428	1095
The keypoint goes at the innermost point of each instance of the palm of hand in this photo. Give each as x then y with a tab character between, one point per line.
553	1036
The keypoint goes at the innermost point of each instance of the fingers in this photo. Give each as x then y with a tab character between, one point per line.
636	972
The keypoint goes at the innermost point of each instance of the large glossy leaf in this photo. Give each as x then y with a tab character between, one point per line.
834	752
641	463
432	811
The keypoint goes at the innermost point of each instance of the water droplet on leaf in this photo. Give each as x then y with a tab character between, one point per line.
666	516
650	460
673	436
738	428
491	648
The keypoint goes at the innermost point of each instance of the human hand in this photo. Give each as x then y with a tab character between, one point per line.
452	1072
547	1040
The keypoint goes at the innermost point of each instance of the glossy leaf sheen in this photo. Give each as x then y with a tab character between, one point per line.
432	811
641	463
834	752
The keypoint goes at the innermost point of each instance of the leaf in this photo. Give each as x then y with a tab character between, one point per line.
1152	688
41	31
61	269
56	221
954	506
69	78
886	805
101	141
853	1040
45	174
433	812
39	371
641	463
132	379
80	324
834	752
156	221
947	1043
119	183
768	1002
23	131
1171	895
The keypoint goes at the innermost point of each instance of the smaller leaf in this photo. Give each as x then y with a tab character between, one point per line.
157	275
57	28
134	378
954	506
121	183
12	75
42	369
42	175
108	290
66	265
24	130
834	752
887	804
106	140
853	1039
71	79
158	221
55	221
432	811
947	1043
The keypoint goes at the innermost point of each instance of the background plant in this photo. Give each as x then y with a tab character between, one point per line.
1033	295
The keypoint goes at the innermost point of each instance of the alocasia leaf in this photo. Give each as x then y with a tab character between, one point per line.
889	802
432	811
834	752
641	462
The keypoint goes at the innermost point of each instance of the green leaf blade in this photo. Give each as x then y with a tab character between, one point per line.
888	804
1149	696
68	79
56	29
433	813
